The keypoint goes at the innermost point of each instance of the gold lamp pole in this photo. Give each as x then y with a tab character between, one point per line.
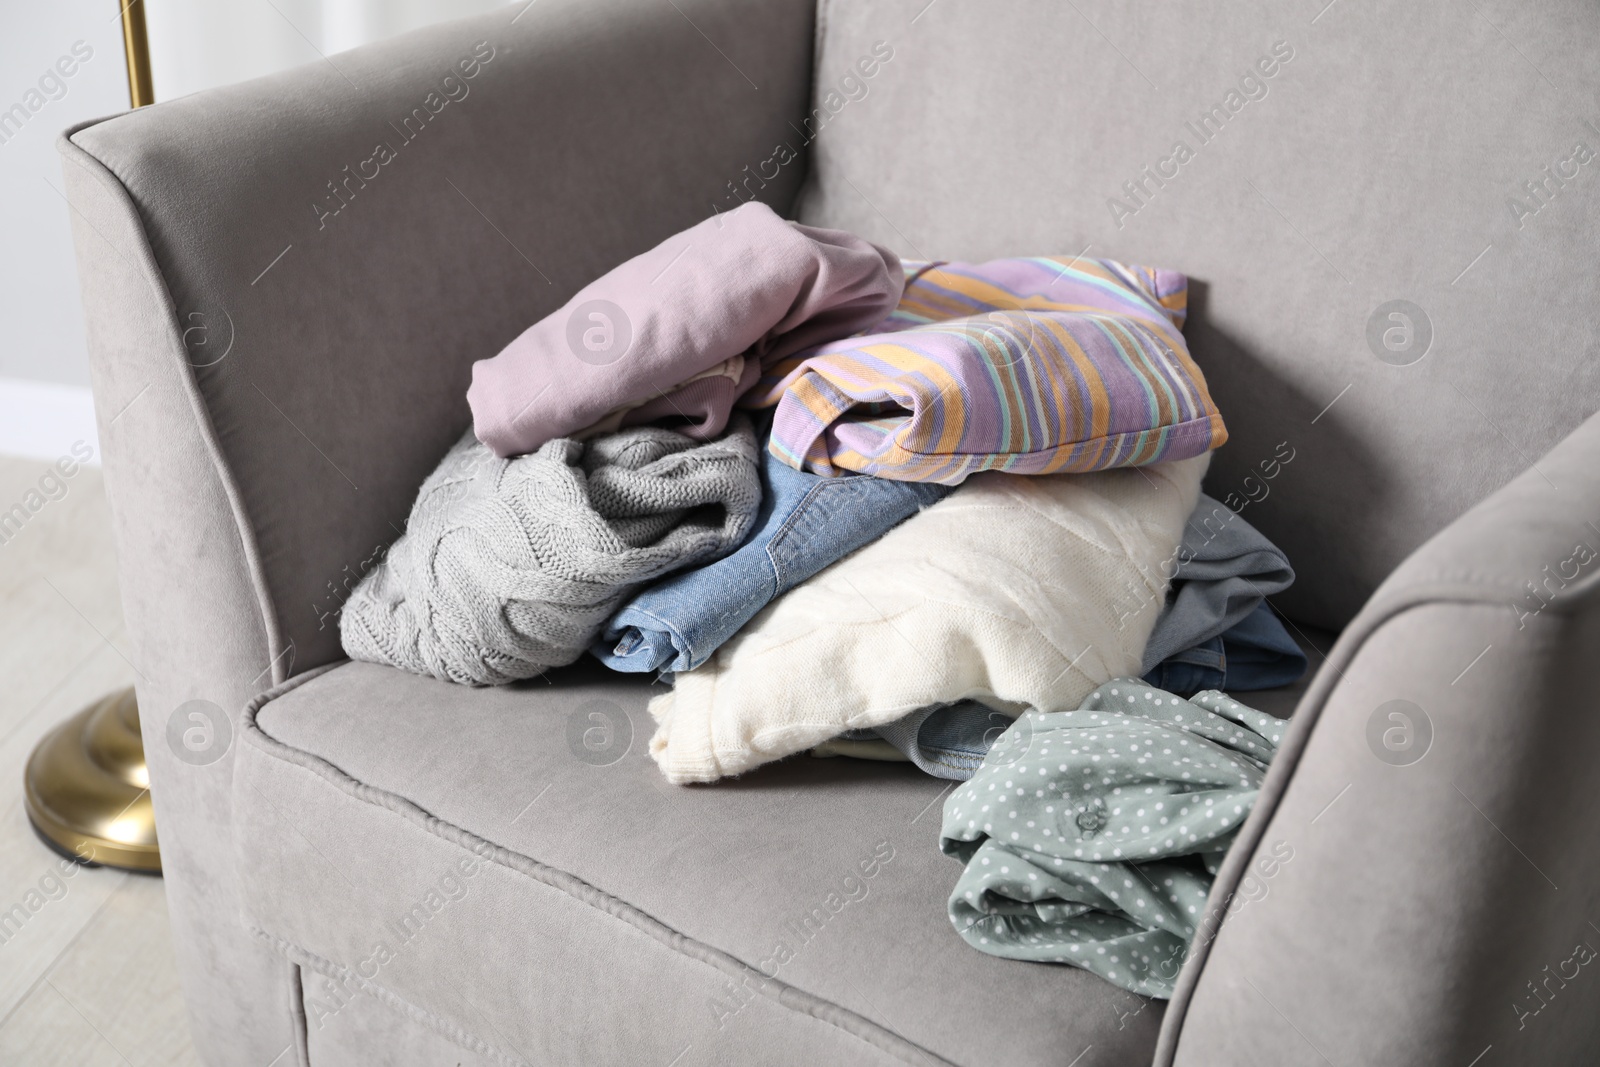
137	48
86	788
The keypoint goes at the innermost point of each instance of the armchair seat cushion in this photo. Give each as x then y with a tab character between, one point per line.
501	864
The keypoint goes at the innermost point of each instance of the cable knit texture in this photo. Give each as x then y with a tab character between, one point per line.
1014	591
509	566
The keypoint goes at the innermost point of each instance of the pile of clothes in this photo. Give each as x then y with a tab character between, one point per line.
859	506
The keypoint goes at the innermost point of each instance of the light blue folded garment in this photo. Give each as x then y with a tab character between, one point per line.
1255	653
806	522
1106	858
1223	571
946	740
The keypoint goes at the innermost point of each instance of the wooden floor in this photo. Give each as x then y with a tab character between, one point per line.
89	978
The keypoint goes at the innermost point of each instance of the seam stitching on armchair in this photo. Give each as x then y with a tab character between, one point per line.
297	1014
303	959
787	996
819	34
1491	590
1302	726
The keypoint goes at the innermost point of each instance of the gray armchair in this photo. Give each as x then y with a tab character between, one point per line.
1390	215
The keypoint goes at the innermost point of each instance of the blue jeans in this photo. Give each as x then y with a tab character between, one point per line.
1255	653
806	522
946	740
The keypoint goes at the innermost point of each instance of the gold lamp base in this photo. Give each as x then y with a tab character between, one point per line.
87	790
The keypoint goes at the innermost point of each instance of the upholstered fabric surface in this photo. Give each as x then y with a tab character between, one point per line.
1387	215
1435	792
613	916
281	347
1336	158
358	1029
526	184
186	571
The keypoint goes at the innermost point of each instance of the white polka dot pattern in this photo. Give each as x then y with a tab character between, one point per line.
1091	837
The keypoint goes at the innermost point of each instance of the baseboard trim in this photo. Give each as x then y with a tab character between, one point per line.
43	420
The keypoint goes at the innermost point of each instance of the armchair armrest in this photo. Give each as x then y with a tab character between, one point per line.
1419	880
286	282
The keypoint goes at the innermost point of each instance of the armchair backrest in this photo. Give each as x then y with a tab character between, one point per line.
333	247
1355	192
286	283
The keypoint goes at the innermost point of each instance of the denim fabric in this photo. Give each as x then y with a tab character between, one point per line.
1256	653
946	740
806	522
1223	570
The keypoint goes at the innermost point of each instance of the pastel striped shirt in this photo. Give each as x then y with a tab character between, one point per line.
1033	366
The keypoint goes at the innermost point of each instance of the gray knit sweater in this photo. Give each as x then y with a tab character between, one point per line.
510	566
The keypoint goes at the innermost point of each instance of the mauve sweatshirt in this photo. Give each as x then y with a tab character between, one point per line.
744	282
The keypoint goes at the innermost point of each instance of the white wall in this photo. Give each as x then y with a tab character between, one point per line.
194	45
41	323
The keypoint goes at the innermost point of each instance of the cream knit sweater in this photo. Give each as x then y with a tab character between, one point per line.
1014	591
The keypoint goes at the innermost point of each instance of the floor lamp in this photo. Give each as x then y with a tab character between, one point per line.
86	788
